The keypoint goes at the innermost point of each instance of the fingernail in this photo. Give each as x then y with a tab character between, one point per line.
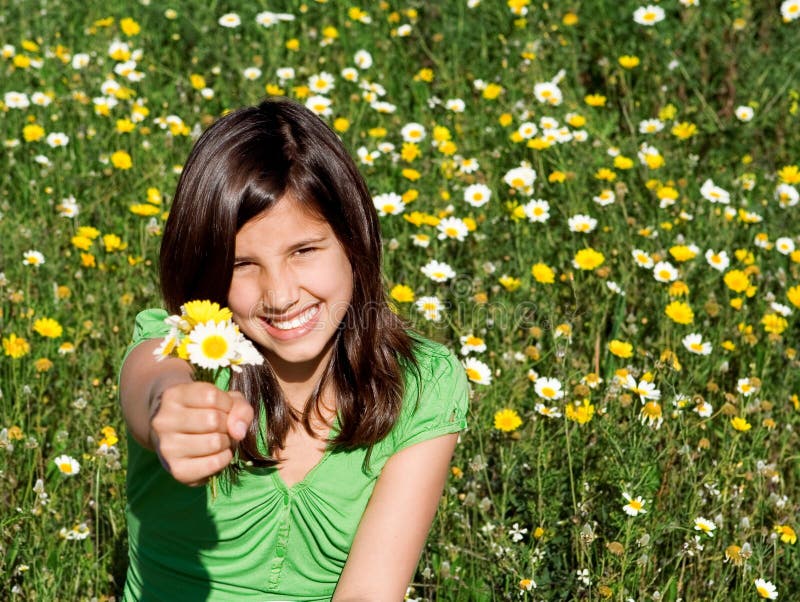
239	430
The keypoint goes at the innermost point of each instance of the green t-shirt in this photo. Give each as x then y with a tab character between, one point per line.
259	539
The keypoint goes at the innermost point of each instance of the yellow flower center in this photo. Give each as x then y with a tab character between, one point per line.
214	346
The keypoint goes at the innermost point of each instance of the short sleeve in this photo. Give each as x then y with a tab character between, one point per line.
443	398
149	325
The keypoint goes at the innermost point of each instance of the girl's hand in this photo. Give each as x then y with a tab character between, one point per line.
194	427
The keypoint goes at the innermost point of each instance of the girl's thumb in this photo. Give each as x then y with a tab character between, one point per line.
239	417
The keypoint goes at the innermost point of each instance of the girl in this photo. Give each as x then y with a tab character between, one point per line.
348	427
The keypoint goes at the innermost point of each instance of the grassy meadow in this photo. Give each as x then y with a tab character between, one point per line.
594	203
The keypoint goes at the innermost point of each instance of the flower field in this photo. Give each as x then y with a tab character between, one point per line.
596	205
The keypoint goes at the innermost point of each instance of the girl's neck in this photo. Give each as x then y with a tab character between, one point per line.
298	381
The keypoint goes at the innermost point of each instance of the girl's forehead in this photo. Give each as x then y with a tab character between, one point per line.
287	219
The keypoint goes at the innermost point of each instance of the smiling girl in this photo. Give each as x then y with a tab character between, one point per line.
347	429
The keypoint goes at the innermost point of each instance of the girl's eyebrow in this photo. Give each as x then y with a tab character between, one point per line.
293	247
306	242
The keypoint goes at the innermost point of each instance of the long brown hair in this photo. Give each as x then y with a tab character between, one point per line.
241	166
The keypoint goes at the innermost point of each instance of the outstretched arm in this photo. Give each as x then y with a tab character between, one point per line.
394	527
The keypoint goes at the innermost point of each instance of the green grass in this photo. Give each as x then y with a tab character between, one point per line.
562	477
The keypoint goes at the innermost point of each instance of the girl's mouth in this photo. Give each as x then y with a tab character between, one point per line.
285	330
297	322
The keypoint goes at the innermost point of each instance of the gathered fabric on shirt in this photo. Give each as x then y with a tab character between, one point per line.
259	539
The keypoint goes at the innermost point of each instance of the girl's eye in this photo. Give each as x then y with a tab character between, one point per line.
305	250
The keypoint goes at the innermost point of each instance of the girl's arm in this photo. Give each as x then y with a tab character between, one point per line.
192	426
394	527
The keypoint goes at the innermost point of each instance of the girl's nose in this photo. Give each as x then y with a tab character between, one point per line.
281	293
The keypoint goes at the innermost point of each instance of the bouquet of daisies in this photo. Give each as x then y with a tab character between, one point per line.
204	334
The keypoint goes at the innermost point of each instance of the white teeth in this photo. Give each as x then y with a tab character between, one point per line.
298	321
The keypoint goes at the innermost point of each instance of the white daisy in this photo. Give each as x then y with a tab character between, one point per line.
413	132
321	83
766	589
704	409
537	210
642	259
704	525
650	126
252	73
430	307
548	93
745	387
285	73
694	344
349	74
527	130
40	99
80	60
438	271
34	258
714	193
718	260
68	207
786	195
521	178
470	343
790	10
635	506
16	100
319	105
452	227
477	372
389	203
781	309
421	240
549	411
363	59
56	139
548	123
467	165
383	107
67	465
664	271
268	19
581	223
477	195
230	20
606	197
648	15
784	245
744	113
456	105
644	389
212	345
548	388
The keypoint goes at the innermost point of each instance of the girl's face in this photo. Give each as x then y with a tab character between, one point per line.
292	284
